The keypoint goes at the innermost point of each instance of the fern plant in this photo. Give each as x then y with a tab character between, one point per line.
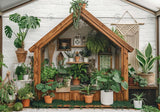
76	6
24	23
146	60
96	42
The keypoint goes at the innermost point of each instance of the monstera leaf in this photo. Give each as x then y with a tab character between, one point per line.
8	31
15	17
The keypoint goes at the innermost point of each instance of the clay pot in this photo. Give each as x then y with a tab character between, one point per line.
76	81
150	77
26	102
77	58
158	106
88	98
21	55
131	81
48	99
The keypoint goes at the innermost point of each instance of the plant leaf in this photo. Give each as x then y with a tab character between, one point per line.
8	31
148	51
124	85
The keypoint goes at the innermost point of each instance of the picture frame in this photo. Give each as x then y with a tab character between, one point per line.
64	44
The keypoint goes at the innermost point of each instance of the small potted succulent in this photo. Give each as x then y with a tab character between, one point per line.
20	71
70	56
88	91
25	94
138	100
77	57
25	23
146	62
85	53
47	89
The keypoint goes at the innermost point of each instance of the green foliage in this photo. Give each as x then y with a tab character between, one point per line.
48	72
1	61
85	52
142	82
70	54
76	6
118	33
122	104
8	89
147	108
138	97
87	89
24	23
2	107
18	106
25	93
111	81
146	60
96	42
45	88
131	71
78	71
21	69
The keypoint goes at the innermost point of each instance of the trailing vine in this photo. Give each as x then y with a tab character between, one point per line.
76	6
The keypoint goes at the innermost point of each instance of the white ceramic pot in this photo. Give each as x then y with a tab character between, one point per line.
70	59
25	77
137	104
106	97
85	59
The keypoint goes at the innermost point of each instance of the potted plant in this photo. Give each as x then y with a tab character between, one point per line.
48	73
146	62
70	56
76	6
137	101
147	108
25	23
77	57
96	42
20	71
107	83
25	94
85	53
77	71
47	89
88	91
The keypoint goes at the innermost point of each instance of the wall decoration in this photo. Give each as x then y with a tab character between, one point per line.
64	44
77	40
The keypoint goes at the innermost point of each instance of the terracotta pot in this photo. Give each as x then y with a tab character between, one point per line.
21	55
150	77
77	58
131	81
50	81
88	98
76	81
48	99
158	106
26	102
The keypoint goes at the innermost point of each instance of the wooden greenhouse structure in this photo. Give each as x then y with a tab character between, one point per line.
37	48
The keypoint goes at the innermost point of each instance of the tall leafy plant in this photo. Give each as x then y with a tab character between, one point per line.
146	59
76	6
25	23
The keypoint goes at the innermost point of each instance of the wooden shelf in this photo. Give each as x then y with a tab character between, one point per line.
78	46
77	63
147	87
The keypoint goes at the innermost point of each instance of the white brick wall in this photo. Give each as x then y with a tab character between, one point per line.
52	12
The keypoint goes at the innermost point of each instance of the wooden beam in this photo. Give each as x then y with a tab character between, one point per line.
0	40
18	6
158	13
140	6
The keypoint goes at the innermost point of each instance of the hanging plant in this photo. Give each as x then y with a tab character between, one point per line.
76	6
96	42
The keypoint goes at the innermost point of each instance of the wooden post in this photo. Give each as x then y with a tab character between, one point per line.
37	69
124	70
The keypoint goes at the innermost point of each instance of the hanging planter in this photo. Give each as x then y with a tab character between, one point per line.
24	23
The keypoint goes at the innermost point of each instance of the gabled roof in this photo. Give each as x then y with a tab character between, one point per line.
92	21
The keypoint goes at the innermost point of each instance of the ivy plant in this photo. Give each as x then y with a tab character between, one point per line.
25	23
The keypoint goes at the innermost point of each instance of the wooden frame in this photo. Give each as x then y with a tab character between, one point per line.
61	43
110	55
